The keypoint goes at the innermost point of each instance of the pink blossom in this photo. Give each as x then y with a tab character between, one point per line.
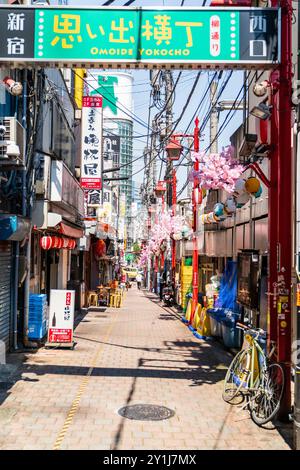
217	171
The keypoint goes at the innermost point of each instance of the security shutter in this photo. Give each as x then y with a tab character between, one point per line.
5	291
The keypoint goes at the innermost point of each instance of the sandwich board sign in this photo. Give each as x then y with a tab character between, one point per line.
61	318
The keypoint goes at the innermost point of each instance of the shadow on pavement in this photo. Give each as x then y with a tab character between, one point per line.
198	362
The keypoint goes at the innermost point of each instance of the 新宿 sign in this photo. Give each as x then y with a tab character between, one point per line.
132	35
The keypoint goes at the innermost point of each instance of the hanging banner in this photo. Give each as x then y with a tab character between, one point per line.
91	142
84	36
61	316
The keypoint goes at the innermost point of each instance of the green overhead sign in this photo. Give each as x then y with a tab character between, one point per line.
134	35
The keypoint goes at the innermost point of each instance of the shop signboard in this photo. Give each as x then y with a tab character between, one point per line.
188	35
65	188
61	316
91	143
111	149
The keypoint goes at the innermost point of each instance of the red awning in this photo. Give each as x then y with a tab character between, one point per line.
70	231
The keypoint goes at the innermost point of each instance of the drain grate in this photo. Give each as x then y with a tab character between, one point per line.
146	412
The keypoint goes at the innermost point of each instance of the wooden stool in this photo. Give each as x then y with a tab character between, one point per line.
92	299
118	300
112	300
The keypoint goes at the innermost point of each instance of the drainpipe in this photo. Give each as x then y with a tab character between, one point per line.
16	253
24	213
26	342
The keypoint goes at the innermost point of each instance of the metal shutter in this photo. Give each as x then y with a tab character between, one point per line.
5	291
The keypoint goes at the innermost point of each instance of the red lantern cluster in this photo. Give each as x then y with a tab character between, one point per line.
53	242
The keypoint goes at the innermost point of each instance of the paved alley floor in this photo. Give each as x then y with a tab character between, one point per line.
139	354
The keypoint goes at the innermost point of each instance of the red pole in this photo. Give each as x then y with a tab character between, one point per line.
195	247
273	212
284	247
162	258
174	200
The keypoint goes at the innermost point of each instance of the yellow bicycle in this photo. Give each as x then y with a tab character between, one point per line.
252	375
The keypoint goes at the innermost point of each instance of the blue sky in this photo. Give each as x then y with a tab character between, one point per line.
142	92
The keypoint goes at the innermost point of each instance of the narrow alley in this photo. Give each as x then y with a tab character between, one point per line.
138	354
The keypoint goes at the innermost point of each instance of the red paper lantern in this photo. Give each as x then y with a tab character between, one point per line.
71	244
46	243
55	242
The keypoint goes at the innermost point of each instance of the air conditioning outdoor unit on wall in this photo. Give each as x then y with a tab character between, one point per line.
12	143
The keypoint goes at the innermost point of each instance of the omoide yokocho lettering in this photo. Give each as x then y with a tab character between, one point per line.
141	52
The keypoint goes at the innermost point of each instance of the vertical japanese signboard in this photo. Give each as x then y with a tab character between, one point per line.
91	143
141	35
61	316
17	30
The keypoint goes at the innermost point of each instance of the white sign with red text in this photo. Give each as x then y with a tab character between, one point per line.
61	316
91	143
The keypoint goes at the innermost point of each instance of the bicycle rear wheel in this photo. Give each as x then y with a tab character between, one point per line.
265	403
234	379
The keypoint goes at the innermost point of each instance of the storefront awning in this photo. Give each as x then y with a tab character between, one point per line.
69	231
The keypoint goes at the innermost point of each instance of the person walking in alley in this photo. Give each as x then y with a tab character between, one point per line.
162	285
139	281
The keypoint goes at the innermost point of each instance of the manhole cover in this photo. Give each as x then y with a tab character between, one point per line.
146	412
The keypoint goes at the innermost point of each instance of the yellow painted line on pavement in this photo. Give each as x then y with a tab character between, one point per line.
75	403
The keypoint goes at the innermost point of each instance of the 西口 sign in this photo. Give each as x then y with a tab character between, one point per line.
140	37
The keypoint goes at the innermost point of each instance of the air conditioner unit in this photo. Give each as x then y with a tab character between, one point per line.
12	143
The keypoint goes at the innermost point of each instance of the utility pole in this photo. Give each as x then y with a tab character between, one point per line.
168	92
213	117
169	115
153	155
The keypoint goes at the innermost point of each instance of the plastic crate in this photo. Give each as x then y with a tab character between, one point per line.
37	330
37	296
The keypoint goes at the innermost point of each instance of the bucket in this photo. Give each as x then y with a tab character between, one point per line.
232	336
215	316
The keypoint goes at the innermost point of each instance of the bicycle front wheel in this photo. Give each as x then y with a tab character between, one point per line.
265	403
234	382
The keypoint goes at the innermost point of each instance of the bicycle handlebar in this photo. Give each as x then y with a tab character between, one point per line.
258	331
